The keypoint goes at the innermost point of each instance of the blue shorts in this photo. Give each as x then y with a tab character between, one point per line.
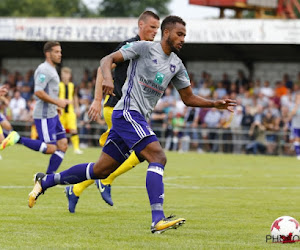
2	118
50	130
296	133
129	131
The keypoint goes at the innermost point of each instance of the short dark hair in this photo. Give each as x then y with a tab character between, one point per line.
49	45
146	14
170	21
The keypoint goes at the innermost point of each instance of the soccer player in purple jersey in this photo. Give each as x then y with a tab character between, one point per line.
52	135
152	67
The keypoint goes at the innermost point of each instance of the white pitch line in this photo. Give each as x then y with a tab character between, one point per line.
221	176
176	178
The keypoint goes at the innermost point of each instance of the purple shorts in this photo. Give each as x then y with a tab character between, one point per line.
50	130
2	118
130	131
296	133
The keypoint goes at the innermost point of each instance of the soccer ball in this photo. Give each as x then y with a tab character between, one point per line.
285	229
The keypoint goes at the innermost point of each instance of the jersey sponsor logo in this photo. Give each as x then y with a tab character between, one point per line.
159	78
151	87
127	45
172	68
42	78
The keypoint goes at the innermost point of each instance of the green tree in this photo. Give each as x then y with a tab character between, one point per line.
132	8
44	8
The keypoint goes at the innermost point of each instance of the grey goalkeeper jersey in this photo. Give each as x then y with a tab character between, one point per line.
149	73
46	78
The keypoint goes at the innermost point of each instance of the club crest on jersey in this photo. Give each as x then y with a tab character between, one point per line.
172	68
159	78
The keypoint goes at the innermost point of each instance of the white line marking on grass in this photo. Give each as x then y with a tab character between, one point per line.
15	187
222	176
176	178
170	185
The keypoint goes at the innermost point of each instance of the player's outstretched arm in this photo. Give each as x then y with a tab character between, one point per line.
3	90
192	100
105	64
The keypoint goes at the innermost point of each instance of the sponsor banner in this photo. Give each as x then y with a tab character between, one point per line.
119	29
243	31
68	29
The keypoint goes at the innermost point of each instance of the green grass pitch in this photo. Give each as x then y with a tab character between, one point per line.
228	201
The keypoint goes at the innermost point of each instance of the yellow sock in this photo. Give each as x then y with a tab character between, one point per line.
103	138
79	187
131	162
75	141
34	134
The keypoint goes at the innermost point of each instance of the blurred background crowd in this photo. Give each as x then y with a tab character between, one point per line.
260	123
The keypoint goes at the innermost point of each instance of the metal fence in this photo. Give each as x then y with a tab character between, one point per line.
191	139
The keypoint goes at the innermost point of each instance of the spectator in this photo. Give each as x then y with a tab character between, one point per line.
236	130
247	119
203	131
204	90
284	126
262	100
212	120
226	82
220	90
169	131
191	128
287	82
270	123
266	90
178	125
226	119
286	100
297	82
3	75
241	80
280	89
257	137
18	106
158	118
203	79
257	87
247	99
27	86
168	100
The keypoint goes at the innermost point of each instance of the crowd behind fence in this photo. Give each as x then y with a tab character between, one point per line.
223	141
261	122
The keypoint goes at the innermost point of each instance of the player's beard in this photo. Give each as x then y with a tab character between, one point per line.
55	62
171	44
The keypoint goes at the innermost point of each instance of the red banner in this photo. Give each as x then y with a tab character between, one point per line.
218	3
